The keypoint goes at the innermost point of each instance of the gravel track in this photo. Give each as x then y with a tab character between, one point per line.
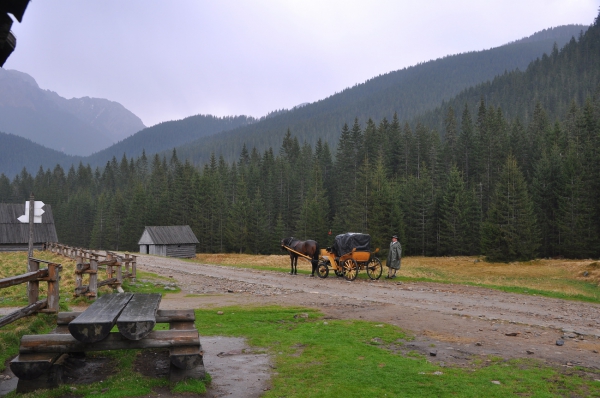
460	321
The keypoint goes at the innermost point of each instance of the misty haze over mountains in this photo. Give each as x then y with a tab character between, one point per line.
76	126
93	130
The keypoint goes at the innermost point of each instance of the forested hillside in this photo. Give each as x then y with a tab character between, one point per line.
554	81
17	153
510	188
169	135
408	92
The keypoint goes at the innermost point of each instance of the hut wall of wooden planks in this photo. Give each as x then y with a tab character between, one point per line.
14	235
169	241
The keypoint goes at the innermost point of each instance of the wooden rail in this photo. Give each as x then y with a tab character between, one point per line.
33	277
91	262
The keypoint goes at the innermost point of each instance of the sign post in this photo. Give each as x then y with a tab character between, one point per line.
33	215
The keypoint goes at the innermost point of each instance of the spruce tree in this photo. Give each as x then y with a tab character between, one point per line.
510	231
547	186
457	213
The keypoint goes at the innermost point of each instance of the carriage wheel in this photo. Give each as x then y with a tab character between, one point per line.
339	272
323	269
350	269
374	268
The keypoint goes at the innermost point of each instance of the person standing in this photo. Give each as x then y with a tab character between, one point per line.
394	257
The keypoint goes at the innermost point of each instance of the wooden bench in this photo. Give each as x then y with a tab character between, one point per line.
39	363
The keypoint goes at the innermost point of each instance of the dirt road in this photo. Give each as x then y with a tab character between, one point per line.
459	321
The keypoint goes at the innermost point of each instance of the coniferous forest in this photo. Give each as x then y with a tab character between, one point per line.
486	182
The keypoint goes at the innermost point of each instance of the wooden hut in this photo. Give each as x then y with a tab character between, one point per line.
14	235
170	241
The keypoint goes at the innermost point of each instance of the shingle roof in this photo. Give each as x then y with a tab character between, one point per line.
171	235
13	231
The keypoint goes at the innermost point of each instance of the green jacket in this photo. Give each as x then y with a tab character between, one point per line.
395	255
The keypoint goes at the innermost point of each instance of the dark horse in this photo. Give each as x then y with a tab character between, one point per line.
308	247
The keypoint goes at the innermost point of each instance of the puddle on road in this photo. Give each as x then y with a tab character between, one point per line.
236	370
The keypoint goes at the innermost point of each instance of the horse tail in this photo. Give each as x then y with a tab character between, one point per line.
317	252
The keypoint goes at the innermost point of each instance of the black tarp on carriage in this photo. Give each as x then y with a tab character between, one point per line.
344	243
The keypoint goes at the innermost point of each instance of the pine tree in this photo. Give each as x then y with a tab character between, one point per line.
547	186
313	223
238	229
135	219
450	155
458	217
578	232
510	232
418	202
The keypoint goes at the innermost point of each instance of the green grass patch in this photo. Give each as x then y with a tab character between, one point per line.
10	335
337	358
148	282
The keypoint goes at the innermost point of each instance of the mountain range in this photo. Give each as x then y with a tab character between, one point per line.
409	92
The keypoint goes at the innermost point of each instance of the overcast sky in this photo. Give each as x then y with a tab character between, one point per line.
167	60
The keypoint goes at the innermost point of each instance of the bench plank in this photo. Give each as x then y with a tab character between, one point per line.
95	323
63	343
139	316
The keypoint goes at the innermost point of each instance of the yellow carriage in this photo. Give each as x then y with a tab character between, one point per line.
350	253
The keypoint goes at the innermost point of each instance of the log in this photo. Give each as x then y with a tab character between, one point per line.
52	378
162	316
64	343
81	290
110	281
22	312
82	267
139	316
176	374
168	316
96	322
32	366
185	357
108	262
29	276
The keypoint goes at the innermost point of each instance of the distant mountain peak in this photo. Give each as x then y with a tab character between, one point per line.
15	74
77	126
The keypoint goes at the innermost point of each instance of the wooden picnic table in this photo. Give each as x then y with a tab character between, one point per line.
134	315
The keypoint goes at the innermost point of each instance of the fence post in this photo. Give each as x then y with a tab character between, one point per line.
79	276
109	267
120	274
133	268
53	287
93	285
33	287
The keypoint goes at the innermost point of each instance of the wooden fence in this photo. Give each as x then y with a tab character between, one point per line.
33	277
90	262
